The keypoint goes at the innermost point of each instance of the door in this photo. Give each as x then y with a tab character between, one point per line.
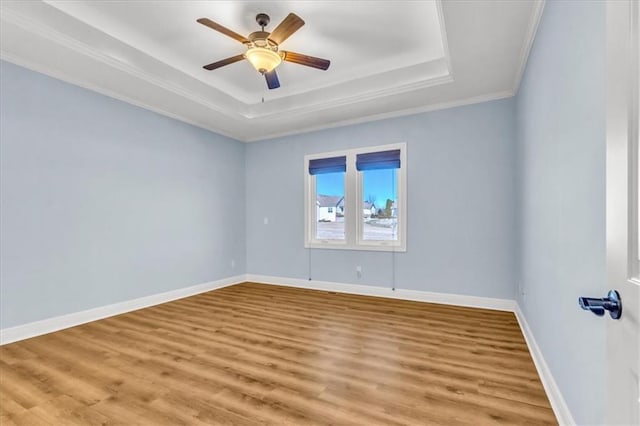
623	265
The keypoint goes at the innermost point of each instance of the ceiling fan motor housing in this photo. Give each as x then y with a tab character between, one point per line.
261	39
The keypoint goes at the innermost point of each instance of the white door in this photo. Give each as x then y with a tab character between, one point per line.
623	266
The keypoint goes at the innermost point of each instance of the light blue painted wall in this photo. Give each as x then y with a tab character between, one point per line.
461	185
103	202
561	167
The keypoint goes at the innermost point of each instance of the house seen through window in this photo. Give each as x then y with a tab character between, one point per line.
330	206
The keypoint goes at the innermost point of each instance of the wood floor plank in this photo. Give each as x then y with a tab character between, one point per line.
253	354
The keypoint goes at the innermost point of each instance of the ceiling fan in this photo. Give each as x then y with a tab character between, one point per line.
263	47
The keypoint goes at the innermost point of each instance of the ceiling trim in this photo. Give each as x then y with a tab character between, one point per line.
443	37
78	46
376	117
83	84
75	45
393	114
445	76
526	47
423	84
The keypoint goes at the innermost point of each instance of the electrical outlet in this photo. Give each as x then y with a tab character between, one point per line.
233	263
359	271
266	220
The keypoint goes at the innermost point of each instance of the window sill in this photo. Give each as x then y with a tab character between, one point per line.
362	247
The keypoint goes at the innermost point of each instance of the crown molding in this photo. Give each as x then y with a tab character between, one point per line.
362	97
244	124
247	104
532	29
119	96
393	114
376	117
46	32
444	38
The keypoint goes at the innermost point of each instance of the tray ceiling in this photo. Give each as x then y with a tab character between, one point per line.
387	58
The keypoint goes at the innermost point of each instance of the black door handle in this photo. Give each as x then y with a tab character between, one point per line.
611	303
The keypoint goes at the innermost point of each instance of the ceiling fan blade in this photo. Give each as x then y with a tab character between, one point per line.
310	61
272	79
224	30
223	62
288	26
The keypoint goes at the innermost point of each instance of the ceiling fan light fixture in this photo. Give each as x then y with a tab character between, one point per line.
263	59
263	47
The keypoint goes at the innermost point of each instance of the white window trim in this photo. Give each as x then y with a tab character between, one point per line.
352	203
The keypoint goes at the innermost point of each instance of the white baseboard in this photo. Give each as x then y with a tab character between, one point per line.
37	328
403	294
558	404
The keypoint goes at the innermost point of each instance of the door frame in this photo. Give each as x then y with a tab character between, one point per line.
623	267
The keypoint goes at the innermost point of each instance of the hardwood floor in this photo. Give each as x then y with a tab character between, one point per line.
255	354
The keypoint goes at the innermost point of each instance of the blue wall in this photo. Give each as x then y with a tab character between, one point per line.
561	167
461	185
103	202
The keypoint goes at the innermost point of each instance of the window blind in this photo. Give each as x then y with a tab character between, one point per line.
378	160
328	165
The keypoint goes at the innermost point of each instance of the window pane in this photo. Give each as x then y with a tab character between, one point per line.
380	207
330	206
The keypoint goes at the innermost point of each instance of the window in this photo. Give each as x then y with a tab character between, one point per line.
355	199
380	211
328	175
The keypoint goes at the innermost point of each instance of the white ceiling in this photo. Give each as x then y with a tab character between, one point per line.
388	58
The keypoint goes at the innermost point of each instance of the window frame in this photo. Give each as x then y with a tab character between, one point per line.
354	201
